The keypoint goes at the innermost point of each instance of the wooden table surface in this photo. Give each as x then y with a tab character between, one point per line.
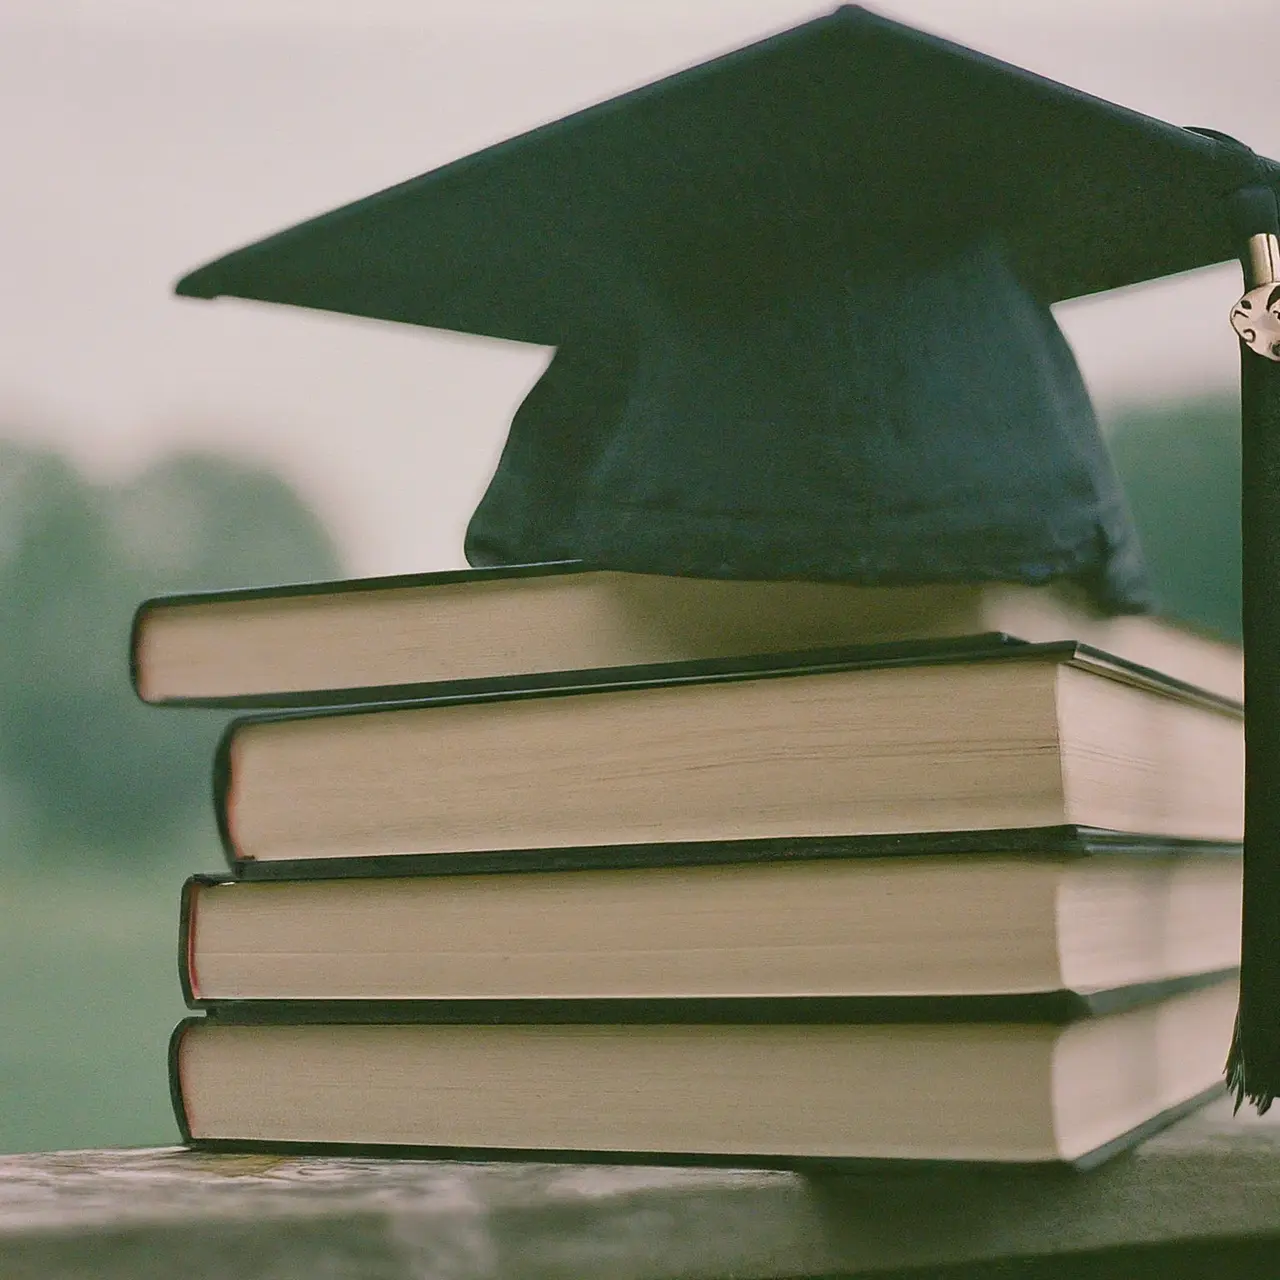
1189	1194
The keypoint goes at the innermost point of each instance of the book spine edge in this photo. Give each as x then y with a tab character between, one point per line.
176	1097
186	941
136	624
222	782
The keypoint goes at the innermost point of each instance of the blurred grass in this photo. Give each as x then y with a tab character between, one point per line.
88	996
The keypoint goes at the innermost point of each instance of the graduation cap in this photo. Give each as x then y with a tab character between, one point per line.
800	302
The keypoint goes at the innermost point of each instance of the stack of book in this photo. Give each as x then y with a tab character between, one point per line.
550	861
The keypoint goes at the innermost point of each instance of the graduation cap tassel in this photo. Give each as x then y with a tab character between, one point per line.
1253	1065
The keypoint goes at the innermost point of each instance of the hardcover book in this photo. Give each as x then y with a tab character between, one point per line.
1015	935
771	1093
373	638
787	757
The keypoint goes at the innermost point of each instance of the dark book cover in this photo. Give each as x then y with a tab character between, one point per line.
1056	1007
1057	841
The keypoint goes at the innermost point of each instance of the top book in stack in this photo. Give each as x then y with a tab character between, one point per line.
330	643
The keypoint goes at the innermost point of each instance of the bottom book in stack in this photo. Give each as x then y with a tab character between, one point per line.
1034	1006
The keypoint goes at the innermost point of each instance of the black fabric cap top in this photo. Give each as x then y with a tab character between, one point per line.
800	299
881	426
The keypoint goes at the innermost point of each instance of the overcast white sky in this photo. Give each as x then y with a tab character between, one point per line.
141	137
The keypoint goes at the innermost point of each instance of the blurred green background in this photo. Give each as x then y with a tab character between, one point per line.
104	803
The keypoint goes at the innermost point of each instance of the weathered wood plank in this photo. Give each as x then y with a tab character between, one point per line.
168	1211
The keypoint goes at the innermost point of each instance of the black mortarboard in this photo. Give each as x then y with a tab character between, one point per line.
800	297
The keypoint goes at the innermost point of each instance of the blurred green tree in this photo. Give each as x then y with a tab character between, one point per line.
1180	465
80	758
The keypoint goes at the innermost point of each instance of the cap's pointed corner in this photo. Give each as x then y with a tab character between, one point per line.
195	284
